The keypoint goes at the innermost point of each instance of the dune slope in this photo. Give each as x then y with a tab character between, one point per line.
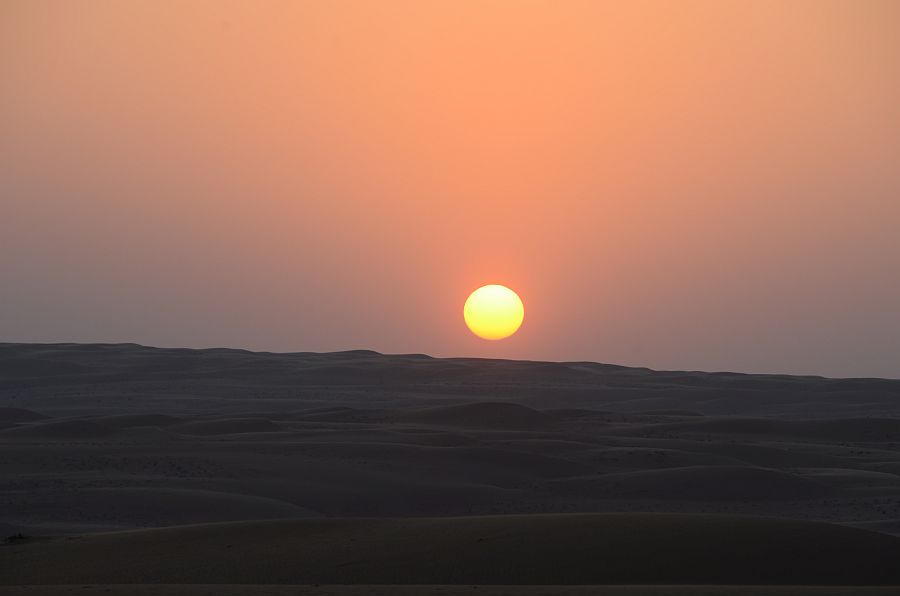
514	549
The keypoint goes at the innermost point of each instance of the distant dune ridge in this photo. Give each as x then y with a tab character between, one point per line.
384	469
182	379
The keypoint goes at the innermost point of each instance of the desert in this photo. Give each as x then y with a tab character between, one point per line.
124	464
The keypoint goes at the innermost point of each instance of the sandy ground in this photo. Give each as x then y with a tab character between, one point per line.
552	549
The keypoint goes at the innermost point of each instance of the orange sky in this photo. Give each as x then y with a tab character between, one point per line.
702	185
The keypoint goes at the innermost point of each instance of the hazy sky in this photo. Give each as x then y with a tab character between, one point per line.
702	185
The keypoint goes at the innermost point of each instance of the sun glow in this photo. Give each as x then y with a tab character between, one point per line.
493	312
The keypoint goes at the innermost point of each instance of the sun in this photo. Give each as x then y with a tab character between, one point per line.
493	312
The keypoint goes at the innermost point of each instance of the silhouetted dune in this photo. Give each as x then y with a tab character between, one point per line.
696	483
207	377
147	506
482	414
82	431
227	426
771	454
845	429
466	464
531	549
649	457
577	413
61	429
354	432
133	420
14	366
677	413
344	414
891	467
842	477
17	415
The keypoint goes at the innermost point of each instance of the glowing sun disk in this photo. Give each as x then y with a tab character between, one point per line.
493	312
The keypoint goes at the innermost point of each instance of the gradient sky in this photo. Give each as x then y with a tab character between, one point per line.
694	185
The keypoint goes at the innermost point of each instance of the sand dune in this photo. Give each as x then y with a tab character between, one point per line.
83	430
17	415
227	426
844	429
66	429
654	457
850	477
500	415
695	483
173	506
133	420
530	549
339	414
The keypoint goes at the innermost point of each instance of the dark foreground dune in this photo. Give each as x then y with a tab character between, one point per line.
618	548
442	590
449	461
